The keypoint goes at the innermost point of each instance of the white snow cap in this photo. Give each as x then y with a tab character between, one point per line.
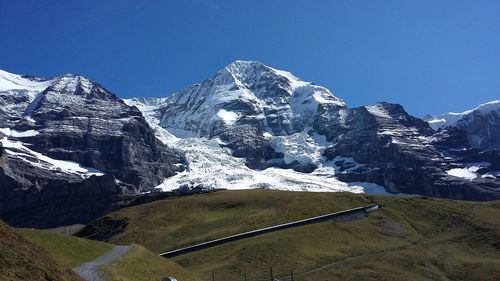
451	119
10	81
247	70
250	72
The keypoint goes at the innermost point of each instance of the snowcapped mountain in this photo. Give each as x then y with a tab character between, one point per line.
246	93
481	124
452	119
70	150
262	127
68	135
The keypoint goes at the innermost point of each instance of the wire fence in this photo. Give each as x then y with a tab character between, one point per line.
269	275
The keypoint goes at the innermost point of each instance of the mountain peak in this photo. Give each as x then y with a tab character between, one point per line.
249	73
245	63
10	81
70	83
243	71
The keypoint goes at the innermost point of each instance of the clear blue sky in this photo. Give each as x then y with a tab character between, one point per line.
431	56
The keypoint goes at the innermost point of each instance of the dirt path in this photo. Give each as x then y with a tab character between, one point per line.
90	270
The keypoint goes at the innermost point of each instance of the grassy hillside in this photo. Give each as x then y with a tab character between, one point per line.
409	238
139	264
22	260
69	251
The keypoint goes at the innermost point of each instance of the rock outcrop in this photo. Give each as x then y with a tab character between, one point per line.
71	149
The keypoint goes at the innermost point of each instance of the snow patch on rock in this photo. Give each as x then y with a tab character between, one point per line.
378	110
18	134
468	173
19	150
228	117
299	147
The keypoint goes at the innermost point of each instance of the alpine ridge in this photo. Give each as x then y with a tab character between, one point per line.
482	124
72	151
273	120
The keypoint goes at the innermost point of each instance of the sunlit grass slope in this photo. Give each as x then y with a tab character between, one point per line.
409	238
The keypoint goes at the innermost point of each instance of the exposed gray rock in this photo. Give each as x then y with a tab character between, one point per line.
400	153
73	119
481	125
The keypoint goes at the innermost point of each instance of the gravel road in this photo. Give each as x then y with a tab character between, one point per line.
90	271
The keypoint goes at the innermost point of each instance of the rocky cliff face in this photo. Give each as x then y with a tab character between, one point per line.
481	125
401	153
67	141
56	199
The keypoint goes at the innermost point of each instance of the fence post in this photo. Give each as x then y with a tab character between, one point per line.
272	276
291	274
245	277
213	274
